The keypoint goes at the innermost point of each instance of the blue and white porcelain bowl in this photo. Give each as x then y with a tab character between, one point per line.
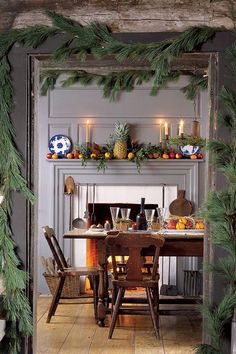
60	145
189	150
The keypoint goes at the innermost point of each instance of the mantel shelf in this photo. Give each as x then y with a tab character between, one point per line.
149	161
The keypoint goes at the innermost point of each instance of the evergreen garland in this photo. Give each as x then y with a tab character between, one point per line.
96	39
220	210
82	40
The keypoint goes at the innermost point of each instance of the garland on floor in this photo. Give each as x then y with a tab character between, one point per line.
80	41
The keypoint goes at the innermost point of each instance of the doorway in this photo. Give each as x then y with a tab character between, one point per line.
205	63
23	219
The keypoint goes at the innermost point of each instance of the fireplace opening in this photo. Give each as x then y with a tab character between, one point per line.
102	210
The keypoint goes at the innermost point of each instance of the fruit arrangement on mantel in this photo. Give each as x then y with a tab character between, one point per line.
122	147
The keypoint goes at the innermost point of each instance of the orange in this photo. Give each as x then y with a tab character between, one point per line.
107	155
130	155
54	156
193	157
93	156
165	156
200	225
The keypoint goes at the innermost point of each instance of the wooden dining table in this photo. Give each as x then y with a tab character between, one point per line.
176	244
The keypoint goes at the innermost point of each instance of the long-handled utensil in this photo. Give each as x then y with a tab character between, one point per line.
69	188
86	213
78	223
93	215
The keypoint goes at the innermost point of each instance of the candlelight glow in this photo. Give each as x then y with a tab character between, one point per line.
181	127
160	131
166	128
87	132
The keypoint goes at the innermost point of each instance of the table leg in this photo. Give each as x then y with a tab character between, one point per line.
102	309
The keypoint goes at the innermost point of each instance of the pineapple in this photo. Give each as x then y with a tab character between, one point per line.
121	135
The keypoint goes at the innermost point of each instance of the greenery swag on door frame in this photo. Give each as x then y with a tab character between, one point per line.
96	39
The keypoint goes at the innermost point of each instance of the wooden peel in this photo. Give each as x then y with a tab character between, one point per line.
181	206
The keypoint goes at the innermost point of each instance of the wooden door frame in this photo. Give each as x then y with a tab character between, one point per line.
23	217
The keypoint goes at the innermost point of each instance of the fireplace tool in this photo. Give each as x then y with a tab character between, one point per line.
78	223
69	188
86	212
93	215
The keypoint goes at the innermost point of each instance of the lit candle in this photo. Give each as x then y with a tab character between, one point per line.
160	131
181	127
87	132
166	128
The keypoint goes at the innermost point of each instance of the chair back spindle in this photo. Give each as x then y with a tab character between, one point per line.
55	248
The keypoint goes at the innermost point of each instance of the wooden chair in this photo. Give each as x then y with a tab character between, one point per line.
64	271
132	245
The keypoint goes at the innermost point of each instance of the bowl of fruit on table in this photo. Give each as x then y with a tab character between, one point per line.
184	223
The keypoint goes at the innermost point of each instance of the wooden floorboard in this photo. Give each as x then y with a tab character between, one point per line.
73	331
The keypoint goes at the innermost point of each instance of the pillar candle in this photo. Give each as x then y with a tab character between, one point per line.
181	127
87	132
166	128
160	131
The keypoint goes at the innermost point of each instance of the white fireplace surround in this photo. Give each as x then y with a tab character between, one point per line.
120	183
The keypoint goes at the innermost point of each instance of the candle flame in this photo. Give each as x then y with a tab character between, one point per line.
87	122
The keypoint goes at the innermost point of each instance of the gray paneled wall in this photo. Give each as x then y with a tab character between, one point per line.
65	111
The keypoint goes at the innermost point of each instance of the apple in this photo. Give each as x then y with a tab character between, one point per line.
156	155
189	224
75	154
171	224
178	155
172	154
134	226
69	155
49	155
200	156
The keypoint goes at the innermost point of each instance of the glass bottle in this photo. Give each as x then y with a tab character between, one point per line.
141	220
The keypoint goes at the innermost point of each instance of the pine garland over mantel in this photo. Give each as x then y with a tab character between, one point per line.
80	41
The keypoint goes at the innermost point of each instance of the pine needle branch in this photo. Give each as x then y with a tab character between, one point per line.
197	82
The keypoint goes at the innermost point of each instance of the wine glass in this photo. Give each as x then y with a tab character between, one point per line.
161	217
114	215
149	214
125	213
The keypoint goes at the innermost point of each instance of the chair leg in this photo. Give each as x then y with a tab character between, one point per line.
113	298
116	311
55	299
154	316
95	294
